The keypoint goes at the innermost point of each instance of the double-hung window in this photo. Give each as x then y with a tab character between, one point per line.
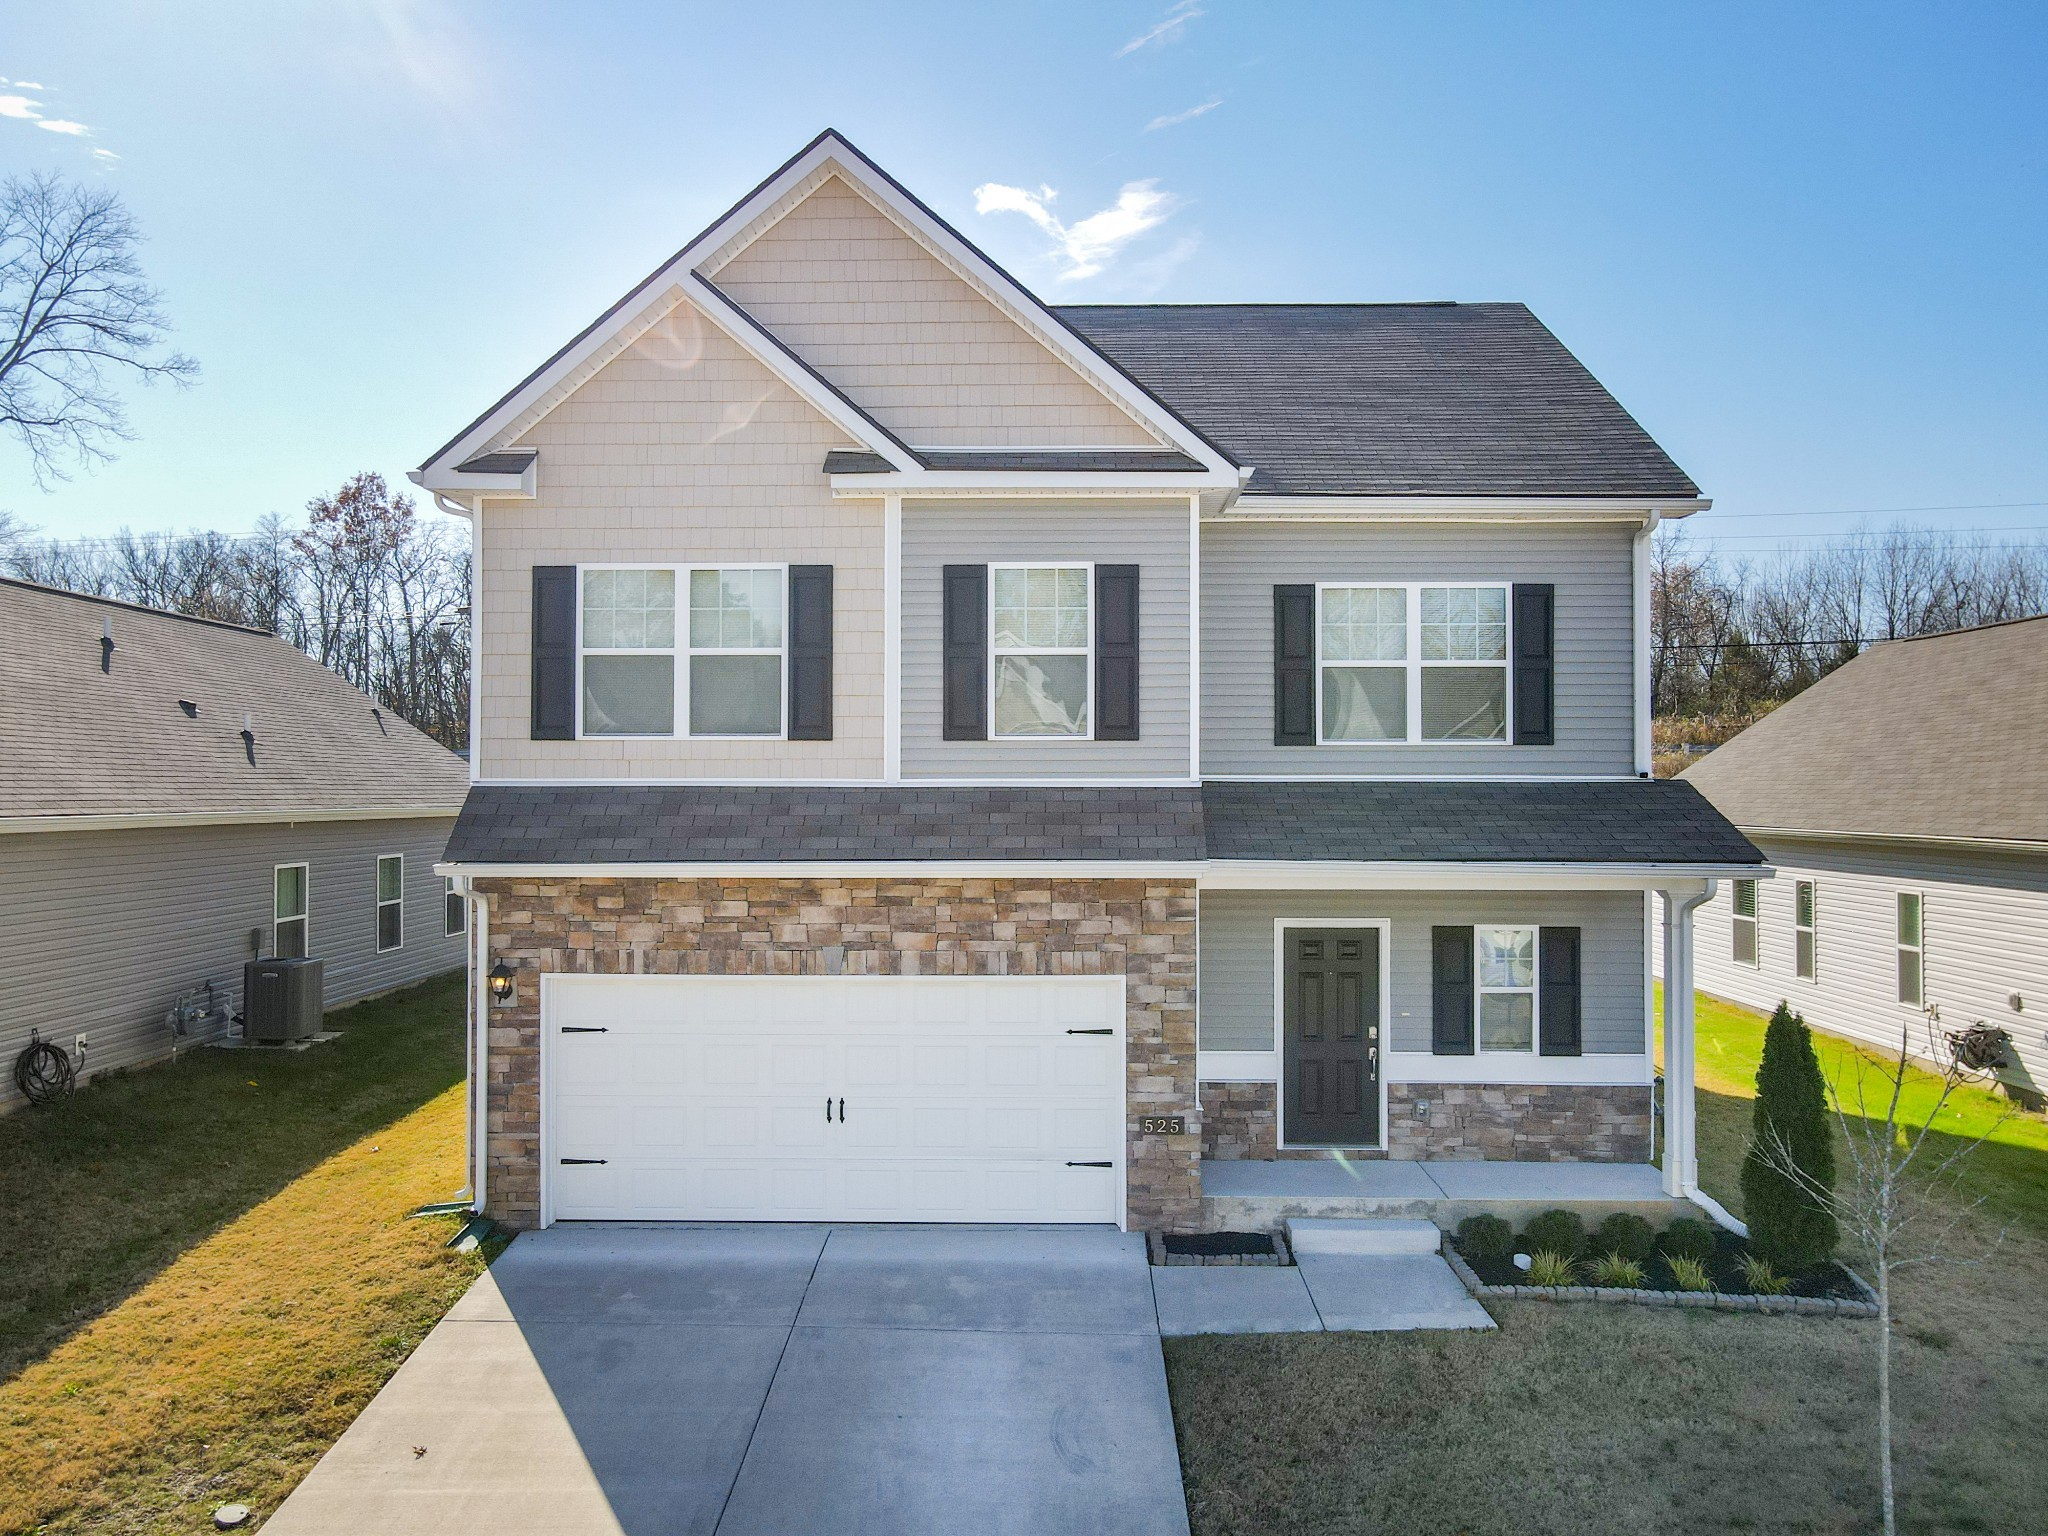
1041	643
719	671
390	901
290	911
1912	949
1744	926
1505	960
1412	663
1805	931
454	910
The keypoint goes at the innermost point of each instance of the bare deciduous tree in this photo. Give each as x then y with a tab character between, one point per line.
1899	1201
76	316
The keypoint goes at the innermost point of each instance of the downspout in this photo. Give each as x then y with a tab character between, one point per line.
476	1101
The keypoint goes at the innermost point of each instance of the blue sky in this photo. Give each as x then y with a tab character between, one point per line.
1806	244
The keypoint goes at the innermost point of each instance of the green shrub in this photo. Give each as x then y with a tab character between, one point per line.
1558	1232
1485	1237
1547	1268
1761	1279
1630	1236
1688	1238
1789	1224
1689	1274
1619	1269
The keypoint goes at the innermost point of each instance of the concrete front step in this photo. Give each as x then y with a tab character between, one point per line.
1368	1239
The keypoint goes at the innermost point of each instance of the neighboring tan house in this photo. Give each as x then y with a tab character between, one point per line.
178	796
1903	800
941	757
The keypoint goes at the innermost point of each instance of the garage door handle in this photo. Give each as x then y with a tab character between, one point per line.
1091	1165
576	1162
1091	1031
584	1029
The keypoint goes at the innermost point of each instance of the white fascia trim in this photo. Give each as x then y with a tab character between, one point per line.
1252	507
1290	875
983	869
915	782
955	485
1424	1067
524	486
1419	778
123	823
1993	844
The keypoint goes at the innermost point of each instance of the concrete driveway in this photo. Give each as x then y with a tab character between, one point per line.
758	1379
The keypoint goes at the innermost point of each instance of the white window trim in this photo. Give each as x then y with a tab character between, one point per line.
305	917
452	900
1534	992
1901	947
1385	928
1754	919
1811	930
682	651
1413	664
1087	567
399	902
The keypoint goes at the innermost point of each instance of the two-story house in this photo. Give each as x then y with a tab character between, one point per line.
944	757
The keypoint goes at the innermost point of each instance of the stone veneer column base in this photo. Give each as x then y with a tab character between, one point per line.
1531	1123
1142	930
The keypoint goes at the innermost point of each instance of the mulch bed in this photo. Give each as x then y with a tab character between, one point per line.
1828	1290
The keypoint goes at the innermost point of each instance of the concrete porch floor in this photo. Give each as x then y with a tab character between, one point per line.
1260	1196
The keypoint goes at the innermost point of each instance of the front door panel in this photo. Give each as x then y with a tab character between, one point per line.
1330	997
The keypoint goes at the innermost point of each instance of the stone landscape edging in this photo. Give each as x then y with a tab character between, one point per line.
1713	1301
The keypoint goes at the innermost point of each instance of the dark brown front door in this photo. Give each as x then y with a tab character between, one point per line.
1331	1050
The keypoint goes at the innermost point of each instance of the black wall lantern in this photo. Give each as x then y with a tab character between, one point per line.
501	984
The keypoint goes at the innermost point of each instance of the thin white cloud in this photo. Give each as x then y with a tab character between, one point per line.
104	154
64	125
30	85
19	106
1175	119
1166	30
1091	244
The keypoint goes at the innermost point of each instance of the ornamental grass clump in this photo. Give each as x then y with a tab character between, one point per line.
1761	1278
1485	1237
1688	1274
1618	1269
1688	1238
1547	1268
1556	1232
1627	1235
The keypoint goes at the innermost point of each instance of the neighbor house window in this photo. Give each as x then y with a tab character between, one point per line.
1039	643
454	910
291	907
1912	949
1506	962
1745	922
390	901
721	673
1805	931
1412	663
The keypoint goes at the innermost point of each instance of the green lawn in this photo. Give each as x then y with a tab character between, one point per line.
208	1267
1609	1419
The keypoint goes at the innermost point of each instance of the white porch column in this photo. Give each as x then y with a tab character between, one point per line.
1681	1154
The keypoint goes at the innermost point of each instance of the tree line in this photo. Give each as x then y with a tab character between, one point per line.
362	585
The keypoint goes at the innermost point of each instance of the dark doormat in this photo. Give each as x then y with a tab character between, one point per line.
1178	1248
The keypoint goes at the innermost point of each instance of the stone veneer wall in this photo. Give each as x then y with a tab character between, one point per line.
1143	930
1530	1123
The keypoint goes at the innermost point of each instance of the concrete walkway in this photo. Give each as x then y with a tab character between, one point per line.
1324	1292
757	1379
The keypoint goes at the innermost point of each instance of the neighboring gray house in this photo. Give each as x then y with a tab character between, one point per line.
179	795
941	757
1903	800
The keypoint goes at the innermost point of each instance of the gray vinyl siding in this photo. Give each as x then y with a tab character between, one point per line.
1985	922
102	930
1591	565
1154	537
1235	1012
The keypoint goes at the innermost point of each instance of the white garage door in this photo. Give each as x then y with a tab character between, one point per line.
714	1098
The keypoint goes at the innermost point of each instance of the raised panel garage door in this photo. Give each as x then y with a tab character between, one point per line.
714	1098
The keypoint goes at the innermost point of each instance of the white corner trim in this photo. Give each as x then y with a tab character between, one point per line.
1525	1068
892	638
1195	637
1641	641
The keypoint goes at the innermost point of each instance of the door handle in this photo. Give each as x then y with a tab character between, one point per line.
828	1109
1105	1164
842	1111
574	1162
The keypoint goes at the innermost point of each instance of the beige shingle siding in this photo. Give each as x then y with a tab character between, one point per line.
1152	536
77	741
1986	924
1590	564
1237	957
102	930
683	449
926	354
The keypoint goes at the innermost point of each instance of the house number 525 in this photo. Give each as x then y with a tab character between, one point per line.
1162	1125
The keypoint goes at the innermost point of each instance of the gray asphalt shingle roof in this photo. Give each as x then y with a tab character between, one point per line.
77	741
1386	399
1567	822
1940	737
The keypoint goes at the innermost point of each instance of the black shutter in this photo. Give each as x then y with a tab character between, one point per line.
554	653
1116	653
1450	953
810	653
1535	664
965	644
1558	990
1294	666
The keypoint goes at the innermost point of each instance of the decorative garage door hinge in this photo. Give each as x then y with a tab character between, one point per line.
584	1029
581	1161
1091	1031
1105	1164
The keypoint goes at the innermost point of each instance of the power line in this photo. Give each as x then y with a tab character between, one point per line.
1968	506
